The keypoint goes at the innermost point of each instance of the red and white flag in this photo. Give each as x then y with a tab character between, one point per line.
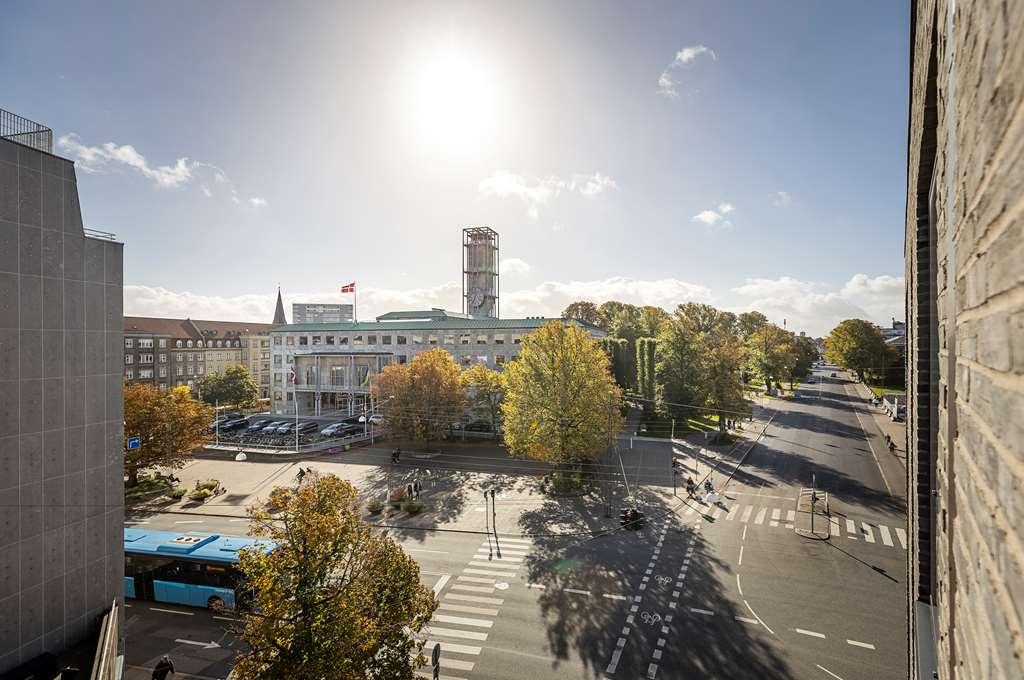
349	287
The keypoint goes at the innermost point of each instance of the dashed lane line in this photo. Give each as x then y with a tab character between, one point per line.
865	645
614	597
758	618
705	612
578	592
171	611
829	672
810	633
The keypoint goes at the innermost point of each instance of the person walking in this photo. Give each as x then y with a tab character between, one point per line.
163	667
301	475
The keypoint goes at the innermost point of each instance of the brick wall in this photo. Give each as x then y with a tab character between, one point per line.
972	265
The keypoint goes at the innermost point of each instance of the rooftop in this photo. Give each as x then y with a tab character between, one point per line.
196	329
444	322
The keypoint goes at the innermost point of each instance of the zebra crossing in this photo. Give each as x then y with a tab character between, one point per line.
469	604
854	530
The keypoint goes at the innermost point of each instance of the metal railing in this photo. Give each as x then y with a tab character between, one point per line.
105	235
25	131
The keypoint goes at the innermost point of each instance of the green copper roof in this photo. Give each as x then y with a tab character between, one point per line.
431	314
448	323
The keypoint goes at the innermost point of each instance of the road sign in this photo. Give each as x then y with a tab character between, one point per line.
134	443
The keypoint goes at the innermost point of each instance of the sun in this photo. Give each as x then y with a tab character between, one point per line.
454	105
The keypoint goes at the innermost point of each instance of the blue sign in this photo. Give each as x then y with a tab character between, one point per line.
134	443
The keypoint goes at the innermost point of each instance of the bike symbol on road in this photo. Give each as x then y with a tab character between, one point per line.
664	579
650	618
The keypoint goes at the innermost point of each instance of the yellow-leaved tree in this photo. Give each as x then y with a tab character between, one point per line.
561	402
170	423
421	399
333	599
486	390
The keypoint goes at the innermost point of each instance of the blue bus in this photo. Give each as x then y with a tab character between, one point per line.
195	569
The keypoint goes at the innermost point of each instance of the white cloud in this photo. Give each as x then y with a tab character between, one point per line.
667	85
816	308
538	192
95	159
206	191
513	265
557	227
715	217
258	202
781	199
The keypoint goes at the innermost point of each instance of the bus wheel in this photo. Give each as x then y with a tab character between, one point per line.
215	603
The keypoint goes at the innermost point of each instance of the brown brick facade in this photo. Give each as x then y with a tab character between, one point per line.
965	350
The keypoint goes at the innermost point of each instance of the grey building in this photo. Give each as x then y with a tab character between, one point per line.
307	312
61	405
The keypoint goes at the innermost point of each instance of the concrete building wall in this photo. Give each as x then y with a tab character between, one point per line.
61	411
965	347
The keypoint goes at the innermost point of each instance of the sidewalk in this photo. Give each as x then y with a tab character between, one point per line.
896	430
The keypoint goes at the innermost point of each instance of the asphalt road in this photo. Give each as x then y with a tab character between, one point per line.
729	591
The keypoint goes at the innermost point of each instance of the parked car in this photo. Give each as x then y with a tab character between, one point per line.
257	425
832	375
272	427
308	426
332	430
377	419
285	428
234	424
478	426
223	418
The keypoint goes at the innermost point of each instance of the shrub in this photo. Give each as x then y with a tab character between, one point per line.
210	484
413	507
374	506
397	495
177	492
199	495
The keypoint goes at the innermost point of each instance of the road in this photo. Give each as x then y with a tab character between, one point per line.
729	591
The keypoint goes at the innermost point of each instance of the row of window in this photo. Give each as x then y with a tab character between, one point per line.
464	361
415	339
147	343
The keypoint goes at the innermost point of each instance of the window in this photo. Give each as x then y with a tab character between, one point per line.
163	372
516	338
499	359
177	343
290	396
371	339
277	395
145	343
499	338
145	358
265	344
129	373
465	361
303	340
464	339
129	343
449	338
145	373
316	339
290	340
277	361
190	356
385	339
189	343
163	345
163	386
357	340
263	355
199	370
163	357
330	339
289	359
432	338
343	340
128	358
278	378
277	339
402	358
189	370
181	370
481	339
218	343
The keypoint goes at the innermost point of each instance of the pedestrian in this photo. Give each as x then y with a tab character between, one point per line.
301	475
416	487
163	667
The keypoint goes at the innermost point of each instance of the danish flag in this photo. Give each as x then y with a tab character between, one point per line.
349	287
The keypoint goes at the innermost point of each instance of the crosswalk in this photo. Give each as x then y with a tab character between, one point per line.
470	603
854	530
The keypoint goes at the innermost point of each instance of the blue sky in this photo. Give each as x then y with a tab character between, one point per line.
742	154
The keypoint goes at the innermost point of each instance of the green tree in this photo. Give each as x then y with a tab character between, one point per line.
424	397
721	355
584	311
751	322
857	345
170	423
234	387
486	390
561	403
770	354
616	349
806	353
646	362
335	599
678	366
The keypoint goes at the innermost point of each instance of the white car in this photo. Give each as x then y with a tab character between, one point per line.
377	419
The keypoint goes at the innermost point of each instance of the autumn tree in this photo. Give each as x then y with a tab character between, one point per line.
234	387
584	311
170	423
423	397
857	345
751	322
561	403
770	354
805	354
485	390
334	599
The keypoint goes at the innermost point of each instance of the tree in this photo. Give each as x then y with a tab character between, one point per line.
234	387
334	599
486	390
722	356
584	311
561	403
424	397
857	345
170	423
678	366
646	351
806	353
751	322
616	349
770	354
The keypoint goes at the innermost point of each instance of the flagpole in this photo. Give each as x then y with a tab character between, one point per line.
355	305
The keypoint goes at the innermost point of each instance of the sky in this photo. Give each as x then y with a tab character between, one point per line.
746	155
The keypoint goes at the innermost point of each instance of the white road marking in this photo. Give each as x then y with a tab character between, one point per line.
868	440
135	521
776	513
902	535
741	557
441	582
738	586
614	597
869	535
457	664
746	619
473	589
746	515
424	550
454	648
758	618
467	610
225	618
705	612
790	518
489	572
744	537
474	598
514	541
189	521
717	513
170	611
578	592
492	565
474	579
834	525
452	632
732	511
652	670
760	516
851	529
538	586
865	645
614	663
497	559
244	519
463	621
886	536
829	672
810	632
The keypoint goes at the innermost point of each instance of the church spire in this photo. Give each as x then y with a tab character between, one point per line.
279	318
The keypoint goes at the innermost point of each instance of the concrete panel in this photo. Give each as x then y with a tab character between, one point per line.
10	571
95	265
74	590
95	312
32	516
9	300
53	403
95	539
30	158
74	353
9	339
54	165
30	250
8	246
74	487
96	586
74	403
53	505
74	449
95	352
10	462
74	256
74	305
53	604
114	299
53	454
74	546
115	264
29	197
53	303
31	611
8	192
72	210
95	399
95	498
30	349
115	398
31	406
52	202
52	253
9	410
53	354
30	302
95	445
115	352
53	638
31	458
